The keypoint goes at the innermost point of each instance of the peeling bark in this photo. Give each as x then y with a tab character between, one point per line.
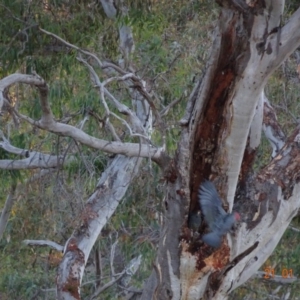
272	129
6	210
99	208
221	133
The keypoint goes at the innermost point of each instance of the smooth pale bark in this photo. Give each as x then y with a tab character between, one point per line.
118	175
114	180
99	208
272	129
47	122
6	210
219	122
34	161
248	46
44	243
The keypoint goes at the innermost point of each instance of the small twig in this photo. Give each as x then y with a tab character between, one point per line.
5	144
294	228
271	127
107	285
72	46
10	199
166	110
44	243
121	107
112	257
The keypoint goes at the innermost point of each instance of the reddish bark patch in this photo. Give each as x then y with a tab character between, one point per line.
219	258
214	119
283	171
213	127
247	164
73	261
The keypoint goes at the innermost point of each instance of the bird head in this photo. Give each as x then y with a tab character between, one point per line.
237	216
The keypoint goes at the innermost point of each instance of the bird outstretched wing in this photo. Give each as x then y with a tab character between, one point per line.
210	203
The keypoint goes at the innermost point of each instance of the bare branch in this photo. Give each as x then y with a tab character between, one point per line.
107	285
138	84
112	257
44	243
109	66
20	78
33	161
131	269
37	81
121	107
98	209
294	228
72	46
103	65
136	80
128	149
276	278
5	144
125	276
47	122
271	127
109	8
289	38
6	210
166	110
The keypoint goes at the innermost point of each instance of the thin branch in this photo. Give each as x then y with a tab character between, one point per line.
107	285
126	274
44	243
108	65
276	278
103	91
72	46
129	128
136	80
294	228
128	149
272	128
7	209
5	145
121	107
166	110
289	38
112	257
47	123
33	161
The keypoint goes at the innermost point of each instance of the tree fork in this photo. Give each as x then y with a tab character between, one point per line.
212	146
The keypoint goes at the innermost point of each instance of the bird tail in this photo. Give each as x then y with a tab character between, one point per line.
212	239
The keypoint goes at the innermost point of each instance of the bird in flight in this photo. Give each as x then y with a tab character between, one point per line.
218	221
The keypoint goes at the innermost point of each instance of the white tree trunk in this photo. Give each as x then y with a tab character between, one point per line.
249	45
220	134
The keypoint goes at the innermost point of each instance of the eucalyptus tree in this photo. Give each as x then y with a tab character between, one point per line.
220	133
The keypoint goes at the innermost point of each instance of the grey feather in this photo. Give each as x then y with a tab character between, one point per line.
218	221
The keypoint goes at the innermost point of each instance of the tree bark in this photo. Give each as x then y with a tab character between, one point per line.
220	134
7	209
249	44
